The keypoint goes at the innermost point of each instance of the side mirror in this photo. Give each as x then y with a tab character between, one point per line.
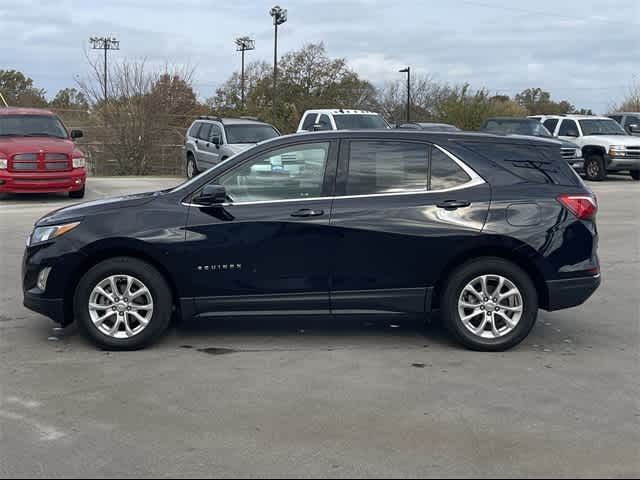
573	133
216	140
211	195
317	127
634	128
77	134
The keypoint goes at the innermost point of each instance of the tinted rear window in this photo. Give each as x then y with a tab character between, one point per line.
359	121
531	163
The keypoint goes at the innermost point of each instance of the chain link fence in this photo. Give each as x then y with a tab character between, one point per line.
164	160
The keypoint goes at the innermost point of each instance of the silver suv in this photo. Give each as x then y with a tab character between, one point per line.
211	140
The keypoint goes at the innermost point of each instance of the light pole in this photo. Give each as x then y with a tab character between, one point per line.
104	43
244	44
408	72
279	17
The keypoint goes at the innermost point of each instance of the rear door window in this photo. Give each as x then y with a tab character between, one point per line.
551	124
377	167
309	121
568	128
205	132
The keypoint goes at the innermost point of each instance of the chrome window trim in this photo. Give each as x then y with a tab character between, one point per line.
474	181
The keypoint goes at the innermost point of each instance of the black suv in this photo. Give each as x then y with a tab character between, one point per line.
485	229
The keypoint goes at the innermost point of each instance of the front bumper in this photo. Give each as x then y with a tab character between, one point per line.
49	307
576	163
622	163
571	292
41	182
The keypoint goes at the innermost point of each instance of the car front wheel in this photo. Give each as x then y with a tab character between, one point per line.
490	304
123	304
594	168
78	193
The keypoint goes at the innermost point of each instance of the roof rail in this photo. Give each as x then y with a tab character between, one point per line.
246	117
208	117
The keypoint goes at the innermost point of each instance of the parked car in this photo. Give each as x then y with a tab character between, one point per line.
340	119
605	145
211	140
38	154
484	229
530	127
430	127
630	121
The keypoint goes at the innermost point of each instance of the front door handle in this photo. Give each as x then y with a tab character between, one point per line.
453	204
307	212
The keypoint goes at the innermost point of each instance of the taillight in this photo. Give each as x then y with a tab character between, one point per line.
582	206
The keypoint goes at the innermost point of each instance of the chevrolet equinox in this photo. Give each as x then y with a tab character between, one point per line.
485	229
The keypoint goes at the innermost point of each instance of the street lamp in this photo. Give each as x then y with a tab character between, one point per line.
106	44
408	72
279	17
242	45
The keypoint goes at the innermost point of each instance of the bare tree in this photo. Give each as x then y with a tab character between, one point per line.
142	107
631	103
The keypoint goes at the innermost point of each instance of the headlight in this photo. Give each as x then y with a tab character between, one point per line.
3	163
578	153
618	151
79	162
42	234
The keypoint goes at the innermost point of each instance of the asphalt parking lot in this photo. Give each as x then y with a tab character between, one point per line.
298	398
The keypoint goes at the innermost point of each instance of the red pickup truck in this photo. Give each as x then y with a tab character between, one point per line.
37	154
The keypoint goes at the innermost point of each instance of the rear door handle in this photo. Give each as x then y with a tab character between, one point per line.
453	204
307	212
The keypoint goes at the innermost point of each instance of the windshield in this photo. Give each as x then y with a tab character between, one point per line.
357	122
517	127
601	127
31	126
249	133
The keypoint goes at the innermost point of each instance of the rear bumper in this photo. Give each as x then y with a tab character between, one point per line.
571	292
41	182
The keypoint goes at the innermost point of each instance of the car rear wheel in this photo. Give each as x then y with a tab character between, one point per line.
78	193
192	168
490	304
123	304
594	168
635	174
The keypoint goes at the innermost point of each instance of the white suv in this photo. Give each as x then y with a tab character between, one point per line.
340	119
606	146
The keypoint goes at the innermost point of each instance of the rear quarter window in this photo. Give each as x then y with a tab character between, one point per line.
532	163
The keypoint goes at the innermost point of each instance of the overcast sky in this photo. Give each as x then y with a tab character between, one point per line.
587	51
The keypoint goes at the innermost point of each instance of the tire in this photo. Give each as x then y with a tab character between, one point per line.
191	167
507	336
594	168
157	317
78	193
635	174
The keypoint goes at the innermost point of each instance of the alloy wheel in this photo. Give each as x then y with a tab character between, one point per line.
490	306
120	306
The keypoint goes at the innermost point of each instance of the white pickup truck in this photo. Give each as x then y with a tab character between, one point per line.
606	146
